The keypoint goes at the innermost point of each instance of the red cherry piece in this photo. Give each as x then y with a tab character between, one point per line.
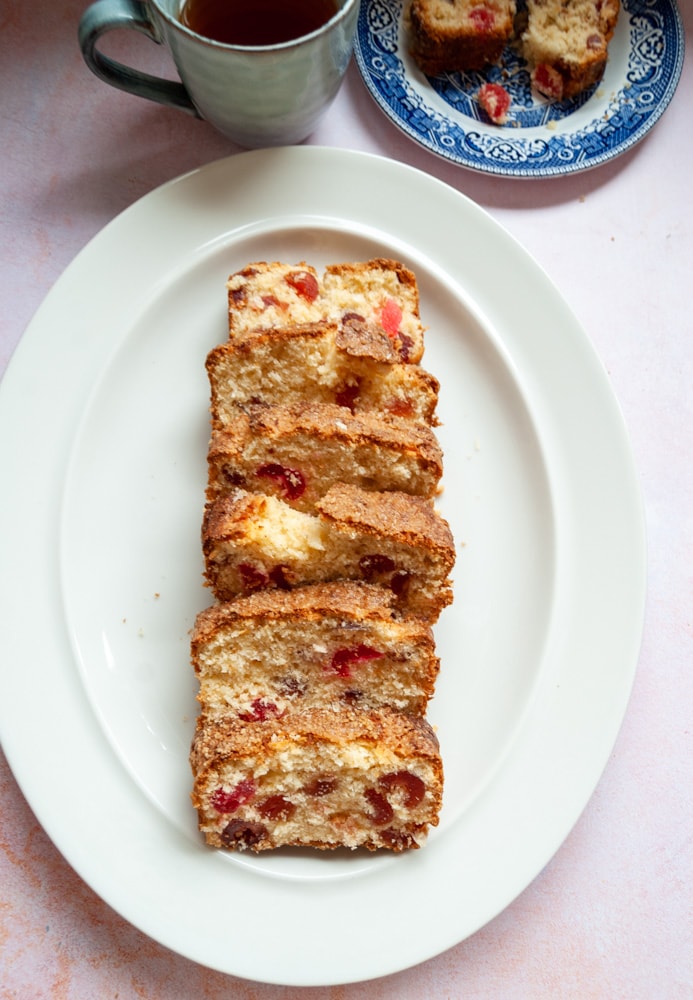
390	317
548	81
276	807
291	481
495	100
399	583
272	300
413	787
238	832
352	317
405	346
320	786
260	711
482	18
291	686
351	697
232	476
375	565
343	659
279	578
229	801
396	839
304	284
382	811
401	408
252	578
348	393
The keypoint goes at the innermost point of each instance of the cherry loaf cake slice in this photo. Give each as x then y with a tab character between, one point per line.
298	452
381	294
319	646
255	542
349	365
319	778
458	35
566	43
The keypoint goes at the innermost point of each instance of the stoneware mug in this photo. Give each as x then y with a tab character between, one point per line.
267	95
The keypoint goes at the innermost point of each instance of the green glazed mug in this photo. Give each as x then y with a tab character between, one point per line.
265	95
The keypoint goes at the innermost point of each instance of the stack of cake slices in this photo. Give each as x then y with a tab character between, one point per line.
328	562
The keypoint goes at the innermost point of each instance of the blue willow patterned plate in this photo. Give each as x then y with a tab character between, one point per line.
541	138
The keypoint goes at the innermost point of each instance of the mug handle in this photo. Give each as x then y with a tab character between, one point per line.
105	15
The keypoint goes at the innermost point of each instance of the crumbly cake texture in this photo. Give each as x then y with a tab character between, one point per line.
380	294
451	35
350	366
565	42
331	645
317	778
328	563
297	452
256	542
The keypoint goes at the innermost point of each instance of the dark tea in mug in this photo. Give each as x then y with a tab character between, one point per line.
256	22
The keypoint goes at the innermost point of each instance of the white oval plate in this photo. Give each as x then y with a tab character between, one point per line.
541	138
103	433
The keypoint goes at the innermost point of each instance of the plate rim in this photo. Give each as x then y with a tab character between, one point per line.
486	164
52	804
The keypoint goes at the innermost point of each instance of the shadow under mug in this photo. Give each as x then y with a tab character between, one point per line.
269	95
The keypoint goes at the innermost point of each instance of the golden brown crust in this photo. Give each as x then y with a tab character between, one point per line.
327	420
412	520
404	275
218	739
357	600
248	341
227	519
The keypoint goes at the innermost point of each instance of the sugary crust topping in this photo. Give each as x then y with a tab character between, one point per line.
404	277
349	599
327	421
228	518
249	341
228	738
398	516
